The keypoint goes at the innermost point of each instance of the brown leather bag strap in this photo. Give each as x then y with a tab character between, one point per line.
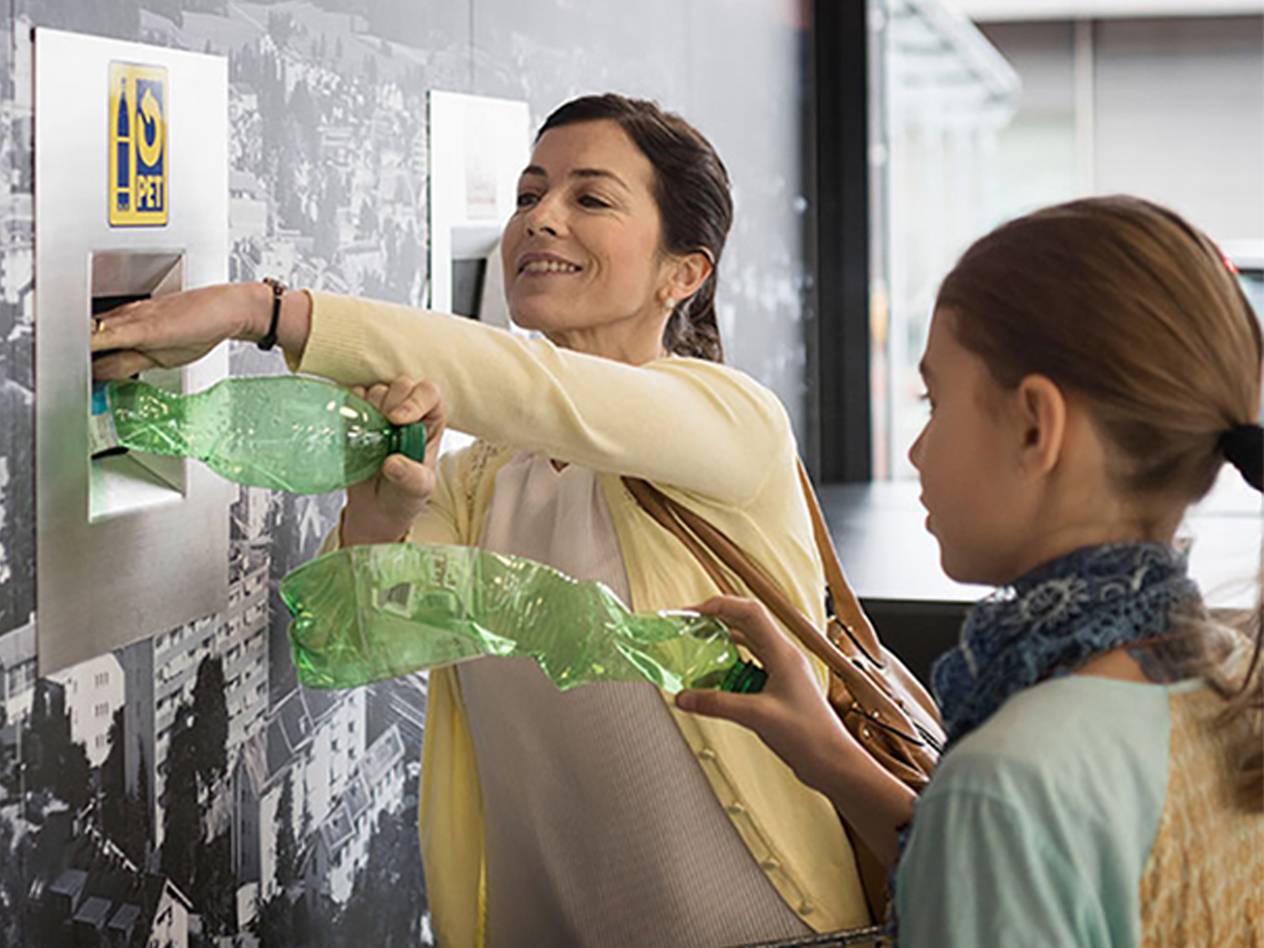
659	506
846	606
708	544
872	695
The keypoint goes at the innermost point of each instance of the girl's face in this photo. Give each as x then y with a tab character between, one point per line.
581	252
1012	478
978	503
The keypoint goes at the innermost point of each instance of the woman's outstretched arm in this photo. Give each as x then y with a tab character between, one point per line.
697	426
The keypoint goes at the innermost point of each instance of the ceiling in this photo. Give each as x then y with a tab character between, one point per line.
994	10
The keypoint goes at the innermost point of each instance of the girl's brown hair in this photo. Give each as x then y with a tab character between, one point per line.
691	189
1131	307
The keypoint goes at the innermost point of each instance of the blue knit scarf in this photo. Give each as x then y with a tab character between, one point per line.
1056	618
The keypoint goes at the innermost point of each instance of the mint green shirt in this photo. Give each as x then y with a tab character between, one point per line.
1037	826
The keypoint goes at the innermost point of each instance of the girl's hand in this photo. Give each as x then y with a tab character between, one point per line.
173	330
799	725
382	509
791	715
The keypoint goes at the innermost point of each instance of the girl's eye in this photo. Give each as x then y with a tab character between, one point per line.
526	198
925	398
589	200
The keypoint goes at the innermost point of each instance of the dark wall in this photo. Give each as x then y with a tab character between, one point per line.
211	791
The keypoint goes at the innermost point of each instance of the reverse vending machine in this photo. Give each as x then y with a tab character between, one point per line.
131	201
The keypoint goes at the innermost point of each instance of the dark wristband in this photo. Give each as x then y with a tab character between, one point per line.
270	337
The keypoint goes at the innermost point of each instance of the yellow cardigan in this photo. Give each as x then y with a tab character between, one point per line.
707	435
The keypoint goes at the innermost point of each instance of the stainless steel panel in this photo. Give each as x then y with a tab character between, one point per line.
104	583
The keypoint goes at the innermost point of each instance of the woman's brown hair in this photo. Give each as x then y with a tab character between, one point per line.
691	189
1128	305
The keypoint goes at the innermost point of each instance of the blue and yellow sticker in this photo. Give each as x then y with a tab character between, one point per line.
139	161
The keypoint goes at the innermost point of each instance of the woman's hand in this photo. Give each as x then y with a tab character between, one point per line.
383	508
179	328
791	714
172	330
795	719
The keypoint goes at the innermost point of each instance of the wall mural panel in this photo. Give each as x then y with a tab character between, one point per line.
183	790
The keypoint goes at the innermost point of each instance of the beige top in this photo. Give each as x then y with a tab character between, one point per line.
601	827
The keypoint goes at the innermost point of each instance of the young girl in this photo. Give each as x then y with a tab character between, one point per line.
1090	368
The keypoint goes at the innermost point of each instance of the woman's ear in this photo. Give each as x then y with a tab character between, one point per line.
1042	420
687	273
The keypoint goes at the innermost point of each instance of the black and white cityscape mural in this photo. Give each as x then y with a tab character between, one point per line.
183	790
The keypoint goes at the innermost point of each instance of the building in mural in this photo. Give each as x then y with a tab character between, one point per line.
162	673
17	693
94	691
17	674
307	796
339	850
96	896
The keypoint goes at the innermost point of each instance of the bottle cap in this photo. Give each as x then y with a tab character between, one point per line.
744	678
410	440
754	680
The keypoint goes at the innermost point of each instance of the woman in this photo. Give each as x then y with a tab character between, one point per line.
603	816
1091	368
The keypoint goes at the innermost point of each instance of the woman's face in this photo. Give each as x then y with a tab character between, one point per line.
581	252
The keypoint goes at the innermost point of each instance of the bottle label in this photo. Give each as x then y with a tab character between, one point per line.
102	435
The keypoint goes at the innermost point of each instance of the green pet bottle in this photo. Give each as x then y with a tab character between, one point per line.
290	433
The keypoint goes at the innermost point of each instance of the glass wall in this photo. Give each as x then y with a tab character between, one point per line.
979	122
948	94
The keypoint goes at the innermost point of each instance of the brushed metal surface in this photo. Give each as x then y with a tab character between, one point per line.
158	558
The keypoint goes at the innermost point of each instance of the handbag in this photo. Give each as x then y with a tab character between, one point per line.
883	706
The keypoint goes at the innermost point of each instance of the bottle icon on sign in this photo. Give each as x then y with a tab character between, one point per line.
123	144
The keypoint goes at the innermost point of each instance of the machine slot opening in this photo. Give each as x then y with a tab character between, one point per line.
100	305
120	481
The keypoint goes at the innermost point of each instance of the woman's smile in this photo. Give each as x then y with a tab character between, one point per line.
540	264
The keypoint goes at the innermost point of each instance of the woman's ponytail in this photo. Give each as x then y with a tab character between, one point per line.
692	329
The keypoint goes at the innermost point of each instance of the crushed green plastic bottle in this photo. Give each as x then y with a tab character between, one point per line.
369	613
290	433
